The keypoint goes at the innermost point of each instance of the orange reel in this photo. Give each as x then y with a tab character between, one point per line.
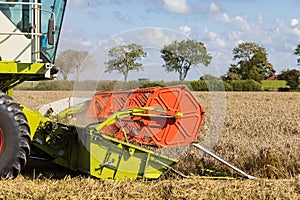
173	118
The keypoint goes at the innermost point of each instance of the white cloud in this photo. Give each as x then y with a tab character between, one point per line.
234	35
185	30
213	39
215	12
176	6
214	7
158	37
118	40
225	17
241	23
294	31
294	22
221	17
70	34
85	43
148	37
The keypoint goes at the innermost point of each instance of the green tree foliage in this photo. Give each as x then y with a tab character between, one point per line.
233	73
181	56
70	62
252	63
291	77
124	59
245	85
213	83
297	52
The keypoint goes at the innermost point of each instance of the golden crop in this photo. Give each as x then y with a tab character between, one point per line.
260	133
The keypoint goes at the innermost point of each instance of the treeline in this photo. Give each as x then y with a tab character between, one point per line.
252	66
194	85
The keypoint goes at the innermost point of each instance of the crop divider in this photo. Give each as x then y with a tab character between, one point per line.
223	161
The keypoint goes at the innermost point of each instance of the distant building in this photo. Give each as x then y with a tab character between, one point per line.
143	79
272	78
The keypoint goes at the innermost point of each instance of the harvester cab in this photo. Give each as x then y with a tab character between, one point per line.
115	134
29	34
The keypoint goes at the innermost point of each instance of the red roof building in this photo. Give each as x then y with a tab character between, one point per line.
274	77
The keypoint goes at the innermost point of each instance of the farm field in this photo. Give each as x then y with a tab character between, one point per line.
273	84
260	134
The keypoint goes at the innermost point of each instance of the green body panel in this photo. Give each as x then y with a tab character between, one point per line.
89	151
11	67
35	119
13	73
114	159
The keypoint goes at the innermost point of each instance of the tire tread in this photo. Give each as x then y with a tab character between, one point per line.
23	146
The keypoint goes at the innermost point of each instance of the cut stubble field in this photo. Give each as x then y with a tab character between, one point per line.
260	134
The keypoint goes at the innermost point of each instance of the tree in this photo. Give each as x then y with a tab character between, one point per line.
252	63
291	77
181	56
70	61
297	52
233	73
124	59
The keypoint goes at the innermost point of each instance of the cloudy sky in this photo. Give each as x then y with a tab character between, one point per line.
219	24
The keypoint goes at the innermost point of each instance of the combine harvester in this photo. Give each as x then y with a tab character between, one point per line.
114	135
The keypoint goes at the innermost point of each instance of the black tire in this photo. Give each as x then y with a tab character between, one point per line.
14	138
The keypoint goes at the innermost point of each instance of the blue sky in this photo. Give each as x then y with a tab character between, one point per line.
220	25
